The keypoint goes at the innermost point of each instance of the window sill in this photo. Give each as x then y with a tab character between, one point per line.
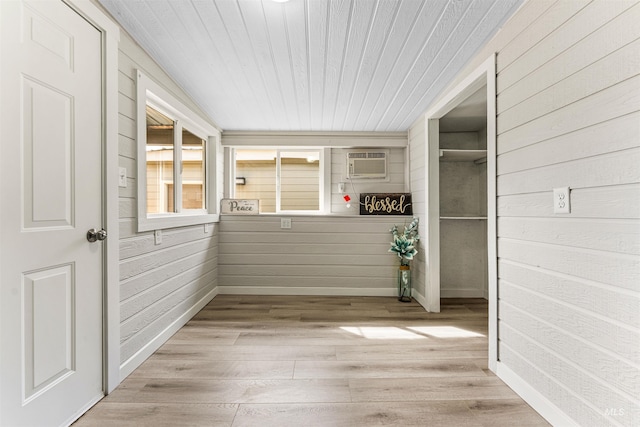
314	215
161	222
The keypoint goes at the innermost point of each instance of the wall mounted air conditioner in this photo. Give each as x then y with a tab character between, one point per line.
372	164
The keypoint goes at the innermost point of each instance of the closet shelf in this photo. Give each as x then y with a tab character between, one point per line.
450	155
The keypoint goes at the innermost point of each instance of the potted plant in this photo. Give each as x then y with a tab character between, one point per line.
404	246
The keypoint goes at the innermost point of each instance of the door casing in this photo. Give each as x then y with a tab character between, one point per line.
111	294
485	74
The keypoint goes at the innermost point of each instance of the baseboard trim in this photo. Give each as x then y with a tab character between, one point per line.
462	293
136	360
281	290
534	398
420	299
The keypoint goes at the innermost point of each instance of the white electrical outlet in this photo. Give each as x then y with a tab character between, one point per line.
562	200
206	228
341	187
157	236
285	222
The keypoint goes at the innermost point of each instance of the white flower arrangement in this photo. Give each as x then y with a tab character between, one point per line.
404	245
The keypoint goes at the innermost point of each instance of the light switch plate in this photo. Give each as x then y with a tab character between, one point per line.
562	200
285	222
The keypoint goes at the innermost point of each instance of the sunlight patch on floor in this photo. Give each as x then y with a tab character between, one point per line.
382	333
445	331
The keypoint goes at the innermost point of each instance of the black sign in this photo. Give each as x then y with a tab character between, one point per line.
385	204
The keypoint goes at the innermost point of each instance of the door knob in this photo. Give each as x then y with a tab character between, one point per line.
93	235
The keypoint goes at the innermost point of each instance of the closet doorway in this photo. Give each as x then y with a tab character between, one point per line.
463	199
461	195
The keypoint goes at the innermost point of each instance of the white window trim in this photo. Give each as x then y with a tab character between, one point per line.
150	92
324	183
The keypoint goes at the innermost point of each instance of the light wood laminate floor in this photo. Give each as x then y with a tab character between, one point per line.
319	361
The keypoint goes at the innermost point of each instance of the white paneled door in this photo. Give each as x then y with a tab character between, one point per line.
51	195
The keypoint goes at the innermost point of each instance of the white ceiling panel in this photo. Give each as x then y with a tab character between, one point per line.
312	65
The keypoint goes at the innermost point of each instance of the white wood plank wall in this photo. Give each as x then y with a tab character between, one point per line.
319	255
159	284
569	285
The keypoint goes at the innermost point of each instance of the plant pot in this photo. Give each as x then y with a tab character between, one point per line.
404	283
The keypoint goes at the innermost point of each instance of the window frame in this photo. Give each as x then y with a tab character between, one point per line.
324	177
152	94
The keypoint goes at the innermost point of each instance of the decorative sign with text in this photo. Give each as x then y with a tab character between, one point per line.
385	204
240	207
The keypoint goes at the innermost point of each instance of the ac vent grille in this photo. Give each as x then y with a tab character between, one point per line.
367	165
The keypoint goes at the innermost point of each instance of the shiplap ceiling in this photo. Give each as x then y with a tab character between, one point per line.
312	65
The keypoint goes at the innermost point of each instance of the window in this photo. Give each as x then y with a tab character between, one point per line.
160	150
175	155
284	180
